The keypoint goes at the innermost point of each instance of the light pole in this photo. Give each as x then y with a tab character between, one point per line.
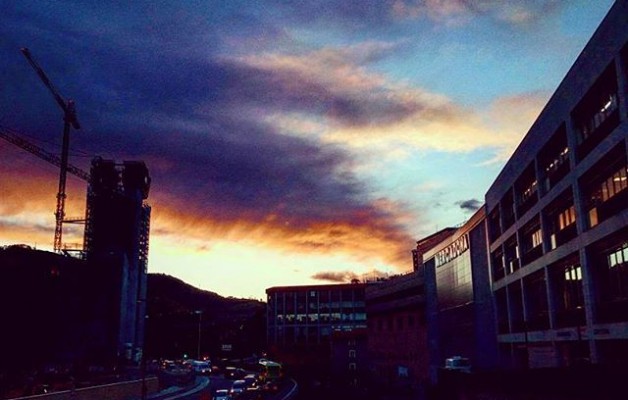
198	346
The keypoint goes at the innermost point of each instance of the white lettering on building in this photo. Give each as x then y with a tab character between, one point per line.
452	251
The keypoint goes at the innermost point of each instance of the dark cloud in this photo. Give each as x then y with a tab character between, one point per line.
335	277
471	205
194	117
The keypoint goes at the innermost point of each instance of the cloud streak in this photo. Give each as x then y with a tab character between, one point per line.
254	126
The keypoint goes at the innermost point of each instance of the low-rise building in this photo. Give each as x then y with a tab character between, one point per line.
397	332
302	320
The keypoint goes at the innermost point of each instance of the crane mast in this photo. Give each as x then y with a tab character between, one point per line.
69	120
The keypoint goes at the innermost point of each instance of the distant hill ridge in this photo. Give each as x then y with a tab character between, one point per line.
170	295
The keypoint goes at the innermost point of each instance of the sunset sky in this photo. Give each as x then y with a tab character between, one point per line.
289	142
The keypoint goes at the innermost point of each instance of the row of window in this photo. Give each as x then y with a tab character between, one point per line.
390	323
322	318
604	196
595	117
609	276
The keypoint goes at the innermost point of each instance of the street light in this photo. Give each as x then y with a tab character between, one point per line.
198	347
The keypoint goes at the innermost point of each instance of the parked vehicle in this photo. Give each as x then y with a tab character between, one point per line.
458	363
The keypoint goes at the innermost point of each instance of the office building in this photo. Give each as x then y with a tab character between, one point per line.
558	218
302	320
459	299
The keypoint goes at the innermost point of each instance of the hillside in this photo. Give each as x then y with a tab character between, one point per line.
173	321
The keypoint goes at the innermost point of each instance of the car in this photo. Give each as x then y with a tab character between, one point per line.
251	381
237	387
201	367
234	373
221	394
271	386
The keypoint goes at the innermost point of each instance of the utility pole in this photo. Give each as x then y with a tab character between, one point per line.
69	120
198	347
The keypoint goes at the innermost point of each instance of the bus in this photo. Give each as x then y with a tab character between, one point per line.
269	371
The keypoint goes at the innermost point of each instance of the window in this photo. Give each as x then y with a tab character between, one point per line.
560	159
597	114
352	353
537	238
536	301
617	261
619	256
613	278
529	192
526	189
604	186
614	184
352	366
566	217
606	108
568	292
554	159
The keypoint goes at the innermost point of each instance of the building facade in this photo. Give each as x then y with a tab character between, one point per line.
558	218
117	237
302	320
458	299
397	331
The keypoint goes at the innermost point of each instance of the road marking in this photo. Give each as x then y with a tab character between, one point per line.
195	389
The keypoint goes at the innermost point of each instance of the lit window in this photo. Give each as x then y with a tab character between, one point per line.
614	184
619	256
606	109
529	191
537	238
573	273
566	217
593	217
558	161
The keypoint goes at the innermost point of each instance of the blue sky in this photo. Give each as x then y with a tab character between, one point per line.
289	142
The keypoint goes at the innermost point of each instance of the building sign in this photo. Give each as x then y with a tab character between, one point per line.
452	251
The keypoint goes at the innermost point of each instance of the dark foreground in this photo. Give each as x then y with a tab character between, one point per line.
582	383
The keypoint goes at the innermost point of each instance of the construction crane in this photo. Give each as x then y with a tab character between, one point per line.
69	120
12	136
16	138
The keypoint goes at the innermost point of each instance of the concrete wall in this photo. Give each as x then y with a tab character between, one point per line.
114	391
